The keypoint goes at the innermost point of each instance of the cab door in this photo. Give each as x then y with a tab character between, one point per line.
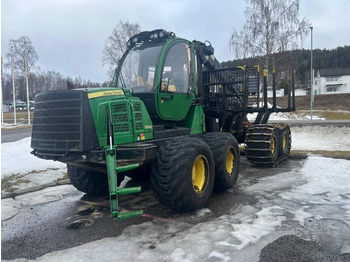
175	81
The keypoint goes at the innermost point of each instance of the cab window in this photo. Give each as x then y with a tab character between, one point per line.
175	75
138	68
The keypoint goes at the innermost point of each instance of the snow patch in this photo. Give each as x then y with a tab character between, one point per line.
8	125
252	228
286	116
35	178
46	195
179	255
327	183
217	256
202	212
16	159
321	138
10	207
301	215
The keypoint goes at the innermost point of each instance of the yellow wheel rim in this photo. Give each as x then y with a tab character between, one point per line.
199	174
284	142
230	161
273	145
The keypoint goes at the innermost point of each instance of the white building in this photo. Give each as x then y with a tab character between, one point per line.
279	92
332	81
300	92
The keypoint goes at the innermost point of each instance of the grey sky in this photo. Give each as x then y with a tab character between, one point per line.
69	35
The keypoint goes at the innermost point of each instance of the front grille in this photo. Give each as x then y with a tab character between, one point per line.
137	106
119	115
63	122
121	120
121	127
138	116
120	107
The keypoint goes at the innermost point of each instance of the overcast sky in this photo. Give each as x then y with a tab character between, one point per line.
69	35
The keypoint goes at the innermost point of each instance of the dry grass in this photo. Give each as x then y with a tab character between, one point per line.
333	115
333	154
10	183
322	102
64	177
327	115
19	115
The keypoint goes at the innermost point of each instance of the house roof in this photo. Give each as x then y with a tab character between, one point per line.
335	71
10	101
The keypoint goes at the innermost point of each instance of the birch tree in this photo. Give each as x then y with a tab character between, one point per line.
271	26
115	45
19	48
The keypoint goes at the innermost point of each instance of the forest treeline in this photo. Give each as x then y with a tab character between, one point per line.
42	81
299	60
285	62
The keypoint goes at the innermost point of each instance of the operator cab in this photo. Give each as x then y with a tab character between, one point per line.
157	68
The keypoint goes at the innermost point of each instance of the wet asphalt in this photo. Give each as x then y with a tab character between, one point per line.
77	219
290	248
13	135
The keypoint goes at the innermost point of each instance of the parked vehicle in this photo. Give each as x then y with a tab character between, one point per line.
174	112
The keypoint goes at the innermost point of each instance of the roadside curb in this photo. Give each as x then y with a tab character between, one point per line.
34	189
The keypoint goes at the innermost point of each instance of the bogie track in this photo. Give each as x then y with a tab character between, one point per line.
267	144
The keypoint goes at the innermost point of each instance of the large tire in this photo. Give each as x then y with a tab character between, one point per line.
226	157
90	182
182	177
285	142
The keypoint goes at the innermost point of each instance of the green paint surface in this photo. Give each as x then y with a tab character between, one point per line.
130	119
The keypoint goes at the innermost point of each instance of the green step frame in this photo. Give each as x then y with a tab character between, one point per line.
114	191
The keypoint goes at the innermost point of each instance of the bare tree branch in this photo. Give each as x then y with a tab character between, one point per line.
270	26
115	44
19	48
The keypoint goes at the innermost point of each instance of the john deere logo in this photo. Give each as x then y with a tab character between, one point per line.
106	93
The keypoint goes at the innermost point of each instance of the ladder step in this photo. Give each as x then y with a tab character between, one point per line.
128	190
130	214
127	168
114	214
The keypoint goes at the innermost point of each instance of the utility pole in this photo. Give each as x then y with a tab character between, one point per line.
312	78
27	75
2	98
13	88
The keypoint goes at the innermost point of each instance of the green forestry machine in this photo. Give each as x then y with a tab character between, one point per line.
174	113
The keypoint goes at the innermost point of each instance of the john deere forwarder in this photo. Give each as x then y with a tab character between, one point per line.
174	112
